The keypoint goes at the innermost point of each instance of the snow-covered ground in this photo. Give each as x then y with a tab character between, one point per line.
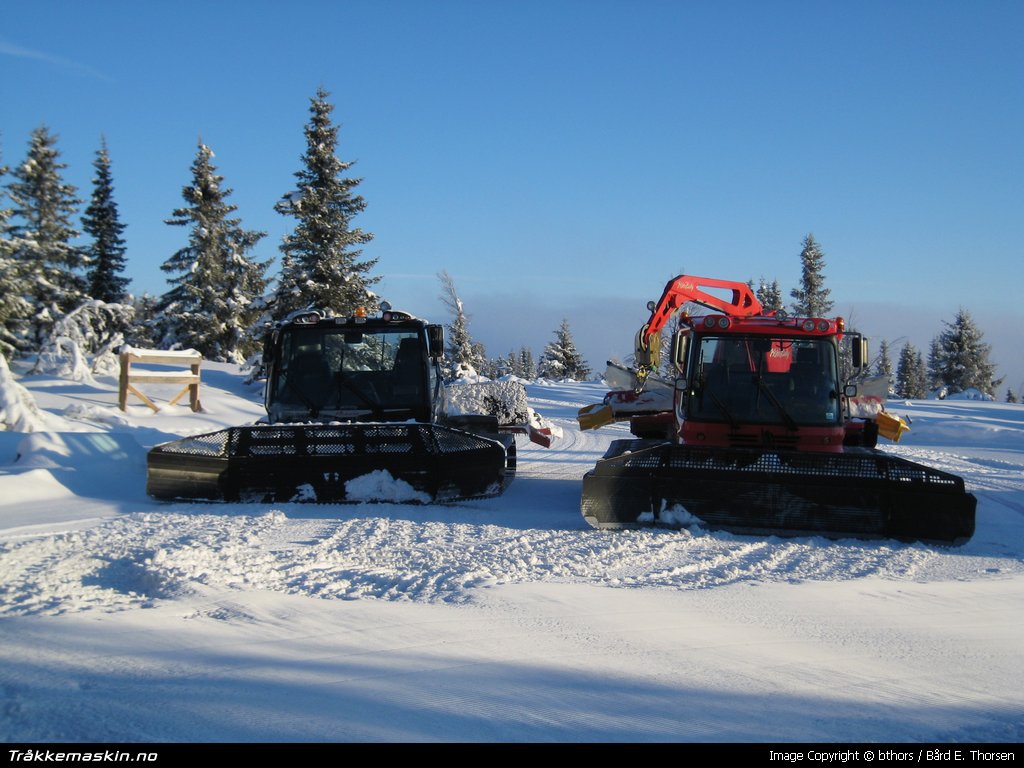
123	619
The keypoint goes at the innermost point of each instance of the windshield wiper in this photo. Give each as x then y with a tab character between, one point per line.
375	407
724	409
313	408
789	421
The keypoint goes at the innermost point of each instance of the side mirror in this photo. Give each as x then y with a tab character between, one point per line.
860	351
680	345
435	341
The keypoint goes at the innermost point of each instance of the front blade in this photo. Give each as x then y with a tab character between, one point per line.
344	463
865	494
594	416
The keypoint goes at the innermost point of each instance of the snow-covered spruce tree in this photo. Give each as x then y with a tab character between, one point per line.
15	309
527	367
961	357
811	299
144	328
487	367
911	378
210	306
43	207
883	363
561	360
462	355
321	263
100	221
903	384
770	296
510	364
934	366
921	375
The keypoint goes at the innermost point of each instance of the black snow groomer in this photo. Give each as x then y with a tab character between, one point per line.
356	411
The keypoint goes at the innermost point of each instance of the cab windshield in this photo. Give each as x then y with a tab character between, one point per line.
349	373
764	380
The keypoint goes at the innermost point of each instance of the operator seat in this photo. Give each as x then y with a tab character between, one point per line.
310	378
811	388
407	375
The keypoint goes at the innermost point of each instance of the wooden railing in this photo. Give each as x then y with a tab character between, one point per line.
186	358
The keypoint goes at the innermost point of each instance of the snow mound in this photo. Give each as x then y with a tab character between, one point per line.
379	485
678	515
88	453
304	492
97	415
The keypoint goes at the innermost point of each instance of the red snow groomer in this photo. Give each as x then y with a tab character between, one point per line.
756	433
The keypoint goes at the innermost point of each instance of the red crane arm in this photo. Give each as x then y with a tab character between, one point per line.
686	288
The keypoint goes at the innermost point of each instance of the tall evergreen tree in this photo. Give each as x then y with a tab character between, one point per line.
210	306
144	331
527	367
962	357
883	364
934	366
561	360
921	375
43	209
321	265
510	364
106	253
902	384
811	299
15	309
911	377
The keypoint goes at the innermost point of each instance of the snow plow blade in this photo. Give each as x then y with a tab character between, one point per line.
595	416
317	463
858	494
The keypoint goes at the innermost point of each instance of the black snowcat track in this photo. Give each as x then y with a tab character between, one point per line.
861	493
314	462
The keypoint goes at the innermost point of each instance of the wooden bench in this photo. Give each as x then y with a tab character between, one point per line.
187	357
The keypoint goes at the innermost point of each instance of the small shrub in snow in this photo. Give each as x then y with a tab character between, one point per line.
96	329
504	399
18	409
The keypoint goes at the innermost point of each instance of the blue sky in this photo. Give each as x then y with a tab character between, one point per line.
564	159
